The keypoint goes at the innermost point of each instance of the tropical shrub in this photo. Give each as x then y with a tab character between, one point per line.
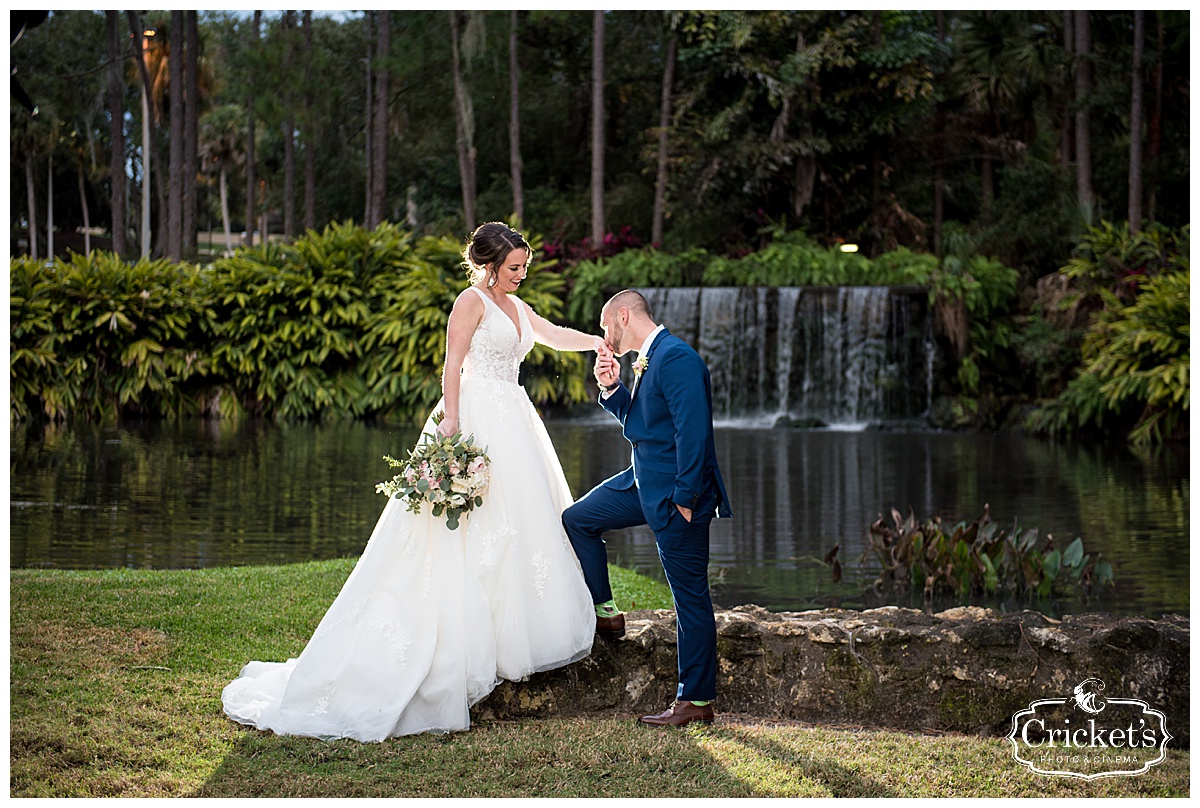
593	281
405	341
1135	364
1135	355
97	336
342	323
791	259
971	297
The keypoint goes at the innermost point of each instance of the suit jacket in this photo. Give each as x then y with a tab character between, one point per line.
668	420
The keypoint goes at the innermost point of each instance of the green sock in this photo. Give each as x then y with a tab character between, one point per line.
608	609
701	703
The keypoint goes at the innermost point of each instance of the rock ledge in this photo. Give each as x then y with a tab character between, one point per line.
966	669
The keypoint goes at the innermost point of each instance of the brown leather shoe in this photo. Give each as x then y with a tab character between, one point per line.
681	713
611	628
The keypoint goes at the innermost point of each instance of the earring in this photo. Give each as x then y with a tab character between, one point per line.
492	281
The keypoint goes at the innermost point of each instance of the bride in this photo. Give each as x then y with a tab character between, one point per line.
431	619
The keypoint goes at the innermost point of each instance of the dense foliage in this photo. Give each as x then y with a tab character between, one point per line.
1135	351
841	124
346	322
788	259
352	323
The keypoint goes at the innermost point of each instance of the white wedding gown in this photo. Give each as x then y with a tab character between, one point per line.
431	619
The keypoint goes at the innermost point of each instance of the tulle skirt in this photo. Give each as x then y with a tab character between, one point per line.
431	620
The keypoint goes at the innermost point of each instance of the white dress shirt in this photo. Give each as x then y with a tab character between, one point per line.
641	353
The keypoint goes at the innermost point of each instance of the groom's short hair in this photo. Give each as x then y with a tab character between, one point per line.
632	300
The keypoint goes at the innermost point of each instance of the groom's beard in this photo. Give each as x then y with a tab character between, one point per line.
618	337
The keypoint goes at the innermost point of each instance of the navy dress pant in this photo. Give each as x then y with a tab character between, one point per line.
683	550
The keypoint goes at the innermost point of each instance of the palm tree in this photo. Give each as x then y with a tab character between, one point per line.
251	189
23	146
141	70
664	123
464	121
289	130
379	143
175	164
1135	125
222	144
597	129
191	125
310	152
1083	88
514	127
1003	63
116	109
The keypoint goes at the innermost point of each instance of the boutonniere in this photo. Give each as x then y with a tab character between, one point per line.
639	367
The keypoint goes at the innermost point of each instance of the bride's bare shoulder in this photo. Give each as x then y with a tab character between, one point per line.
468	305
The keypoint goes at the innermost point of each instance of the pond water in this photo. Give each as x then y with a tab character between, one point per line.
206	493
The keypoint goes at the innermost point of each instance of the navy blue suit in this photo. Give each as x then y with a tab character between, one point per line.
668	420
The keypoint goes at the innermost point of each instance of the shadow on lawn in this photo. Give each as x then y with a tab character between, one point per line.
823	772
581	757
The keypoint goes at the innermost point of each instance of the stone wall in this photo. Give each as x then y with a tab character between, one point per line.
965	669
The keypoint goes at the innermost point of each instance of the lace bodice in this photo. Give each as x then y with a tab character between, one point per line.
496	351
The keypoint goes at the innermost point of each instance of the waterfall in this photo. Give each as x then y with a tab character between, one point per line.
847	357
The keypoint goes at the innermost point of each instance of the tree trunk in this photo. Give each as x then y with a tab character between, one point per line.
310	151
464	125
368	133
379	138
1067	145
664	124
135	28
87	218
1155	133
31	201
50	207
289	133
251	186
175	159
1135	125
987	179
191	133
410	207
160	222
116	129
806	183
514	127
939	154
876	181
225	209
805	179
597	129
1083	88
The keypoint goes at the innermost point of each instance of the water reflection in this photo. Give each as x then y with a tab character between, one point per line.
202	493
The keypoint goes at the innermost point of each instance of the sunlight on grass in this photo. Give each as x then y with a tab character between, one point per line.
115	682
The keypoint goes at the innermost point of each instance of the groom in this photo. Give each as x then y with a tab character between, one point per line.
674	486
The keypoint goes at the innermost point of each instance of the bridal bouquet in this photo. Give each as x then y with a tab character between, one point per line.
450	473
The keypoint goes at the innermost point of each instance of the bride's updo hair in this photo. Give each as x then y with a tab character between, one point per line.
490	244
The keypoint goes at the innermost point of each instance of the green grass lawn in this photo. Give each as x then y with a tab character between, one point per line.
115	690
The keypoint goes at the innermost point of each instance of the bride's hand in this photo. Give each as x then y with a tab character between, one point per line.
606	369
600	346
448	427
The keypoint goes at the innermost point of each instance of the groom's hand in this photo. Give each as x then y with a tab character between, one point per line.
686	512
606	369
